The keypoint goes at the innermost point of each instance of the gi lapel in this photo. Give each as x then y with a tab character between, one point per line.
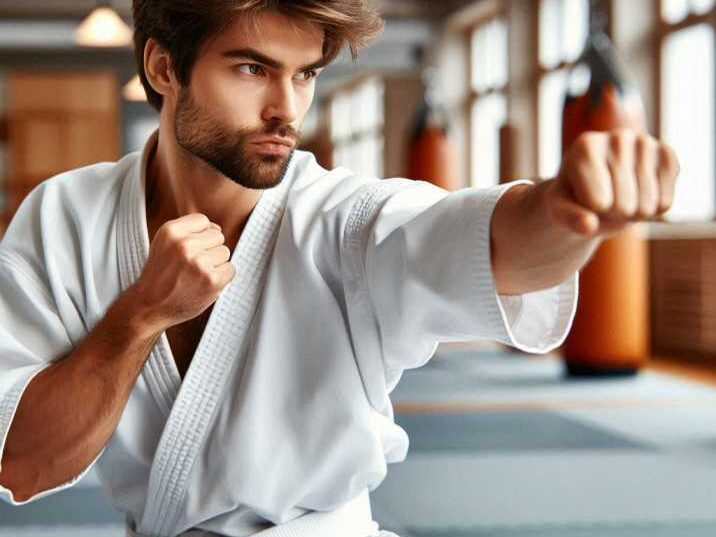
159	372
219	348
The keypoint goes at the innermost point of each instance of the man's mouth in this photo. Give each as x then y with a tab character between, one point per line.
273	146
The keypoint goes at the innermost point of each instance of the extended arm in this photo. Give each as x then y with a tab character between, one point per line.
542	234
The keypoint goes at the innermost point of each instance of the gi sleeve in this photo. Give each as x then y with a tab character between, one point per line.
31	337
419	272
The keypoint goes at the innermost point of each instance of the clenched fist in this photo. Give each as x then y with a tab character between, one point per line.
188	267
609	180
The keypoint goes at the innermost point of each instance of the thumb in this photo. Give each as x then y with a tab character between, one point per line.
573	216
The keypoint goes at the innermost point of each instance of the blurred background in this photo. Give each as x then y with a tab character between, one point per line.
614	434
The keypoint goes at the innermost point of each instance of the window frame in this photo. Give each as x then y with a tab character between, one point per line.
542	72
663	31
375	133
474	96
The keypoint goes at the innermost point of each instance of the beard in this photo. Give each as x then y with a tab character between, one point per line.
228	152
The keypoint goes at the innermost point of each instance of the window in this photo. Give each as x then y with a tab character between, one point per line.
489	76
357	128
687	103
674	11
563	31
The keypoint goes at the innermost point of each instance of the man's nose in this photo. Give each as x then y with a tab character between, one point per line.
281	104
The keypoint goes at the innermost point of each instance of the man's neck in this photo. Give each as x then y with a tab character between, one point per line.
178	184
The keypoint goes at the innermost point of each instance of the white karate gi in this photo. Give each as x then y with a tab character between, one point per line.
343	282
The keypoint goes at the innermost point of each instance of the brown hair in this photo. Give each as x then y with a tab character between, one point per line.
183	26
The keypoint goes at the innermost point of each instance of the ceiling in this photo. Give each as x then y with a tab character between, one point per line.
40	34
70	9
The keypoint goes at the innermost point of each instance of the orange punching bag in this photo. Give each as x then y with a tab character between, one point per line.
431	154
610	334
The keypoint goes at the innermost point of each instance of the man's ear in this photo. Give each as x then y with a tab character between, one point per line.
158	68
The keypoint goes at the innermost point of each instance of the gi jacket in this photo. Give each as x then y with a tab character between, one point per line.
342	283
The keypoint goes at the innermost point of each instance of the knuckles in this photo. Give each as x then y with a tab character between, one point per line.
208	280
203	219
587	144
643	160
183	250
668	155
648	143
169	232
622	140
591	143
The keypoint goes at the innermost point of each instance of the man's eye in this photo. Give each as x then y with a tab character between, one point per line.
309	75
250	69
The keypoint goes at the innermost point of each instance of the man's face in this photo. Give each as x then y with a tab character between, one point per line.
249	92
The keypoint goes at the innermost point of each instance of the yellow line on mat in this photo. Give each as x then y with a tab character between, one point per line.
456	407
680	368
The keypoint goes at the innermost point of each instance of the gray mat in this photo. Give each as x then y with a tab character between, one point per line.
500	431
75	506
680	530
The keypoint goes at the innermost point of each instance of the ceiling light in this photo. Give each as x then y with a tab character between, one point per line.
134	91
103	28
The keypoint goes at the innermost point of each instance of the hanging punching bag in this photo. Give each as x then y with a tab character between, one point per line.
610	334
431	154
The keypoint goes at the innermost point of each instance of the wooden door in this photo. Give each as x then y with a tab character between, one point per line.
56	122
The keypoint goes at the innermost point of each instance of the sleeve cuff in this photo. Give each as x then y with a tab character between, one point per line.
7	497
539	322
536	322
8	407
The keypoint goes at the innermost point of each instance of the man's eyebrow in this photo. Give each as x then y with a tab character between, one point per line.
255	55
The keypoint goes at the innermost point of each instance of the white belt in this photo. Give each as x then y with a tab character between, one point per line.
353	519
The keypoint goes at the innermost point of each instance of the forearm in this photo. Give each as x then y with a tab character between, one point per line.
530	251
69	410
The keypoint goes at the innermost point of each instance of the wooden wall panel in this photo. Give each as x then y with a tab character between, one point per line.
683	291
87	138
36	147
67	92
57	122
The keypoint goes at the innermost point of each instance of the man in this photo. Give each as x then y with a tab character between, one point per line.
217	322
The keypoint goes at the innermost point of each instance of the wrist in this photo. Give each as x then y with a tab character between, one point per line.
516	206
141	319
